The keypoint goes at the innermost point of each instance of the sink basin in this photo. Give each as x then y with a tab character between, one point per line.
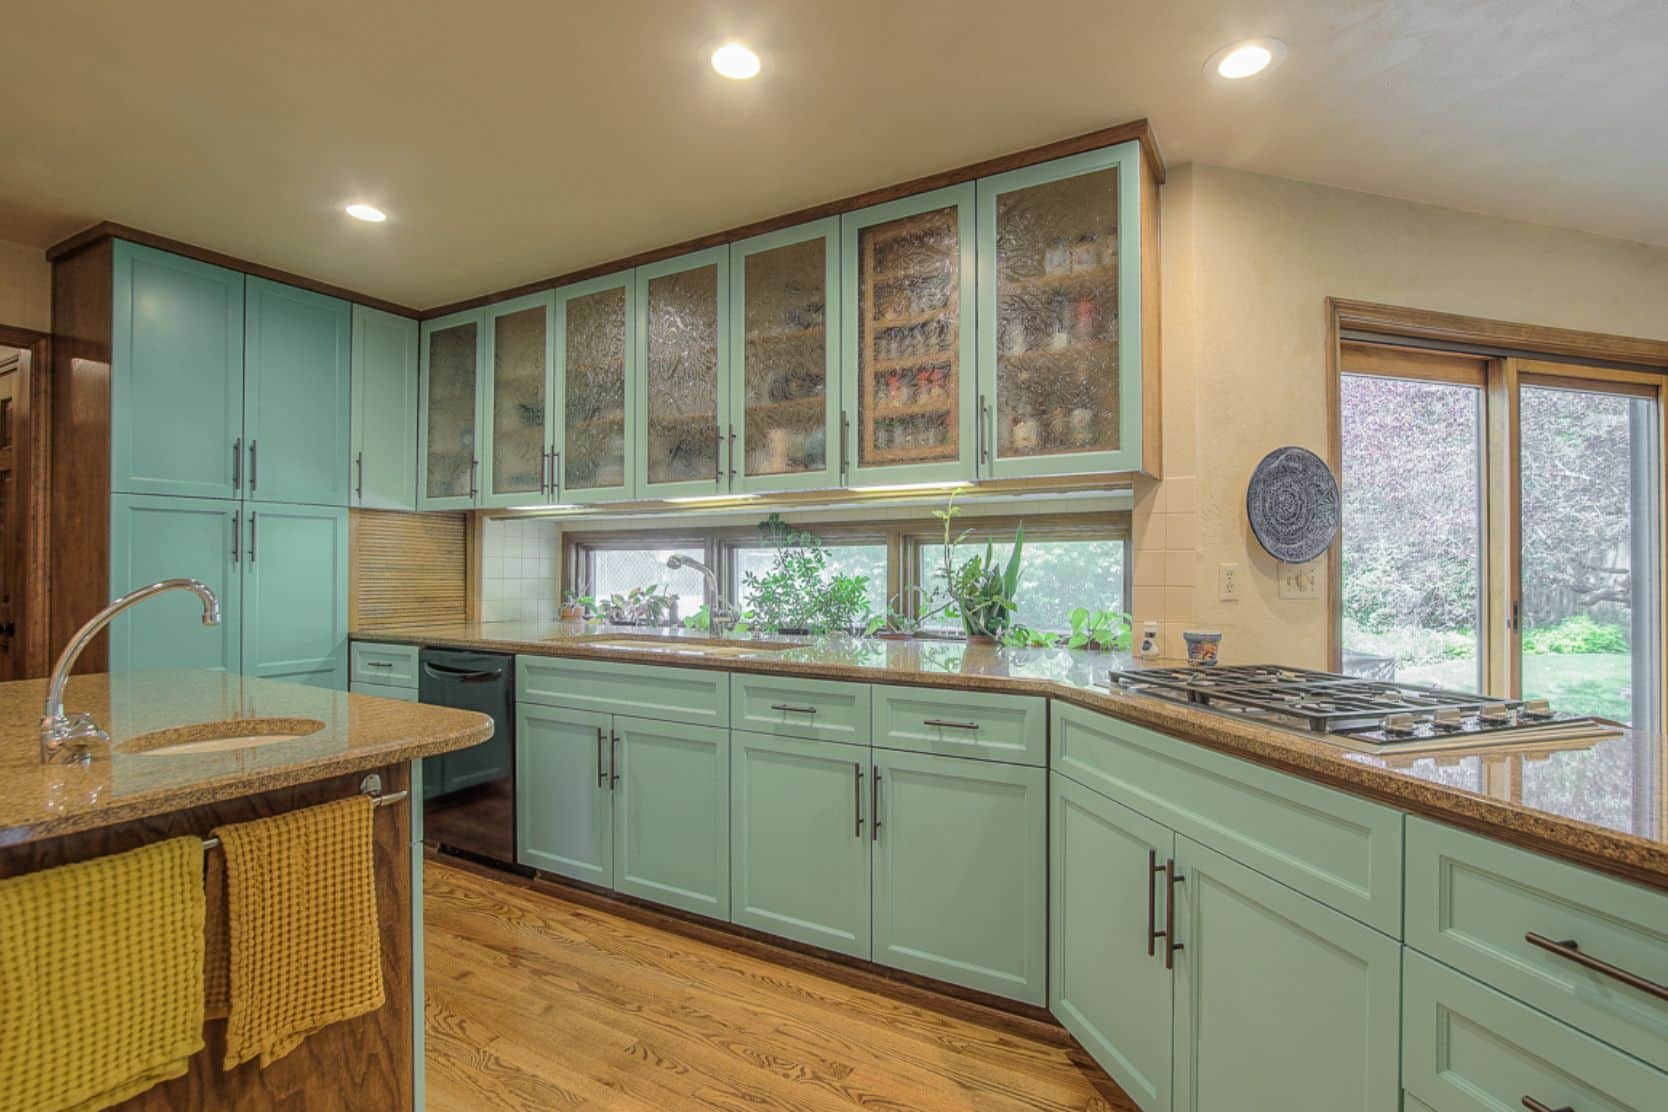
686	646
220	737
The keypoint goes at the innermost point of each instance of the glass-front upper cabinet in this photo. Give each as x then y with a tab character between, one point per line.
596	390
450	410
785	326
907	274
516	459
1060	362
682	375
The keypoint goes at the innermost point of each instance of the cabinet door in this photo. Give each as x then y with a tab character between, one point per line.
906	268
1264	970
799	863
155	538
683	363
295	594
784	389
176	383
384	691
384	410
596	389
515	460
449	412
297	388
564	798
960	872
1107	980
672	814
1060	316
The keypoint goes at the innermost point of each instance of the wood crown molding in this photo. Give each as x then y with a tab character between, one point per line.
1453	328
110	230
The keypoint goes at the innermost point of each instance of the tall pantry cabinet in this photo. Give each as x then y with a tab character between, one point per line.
201	427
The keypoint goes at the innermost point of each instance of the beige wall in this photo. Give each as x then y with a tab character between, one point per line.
1248	261
25	287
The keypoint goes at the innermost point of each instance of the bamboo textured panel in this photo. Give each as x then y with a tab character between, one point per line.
407	568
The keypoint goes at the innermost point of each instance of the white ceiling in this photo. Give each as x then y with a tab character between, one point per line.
516	139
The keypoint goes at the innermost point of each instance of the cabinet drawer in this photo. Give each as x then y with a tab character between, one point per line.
982	724
1343	851
787	706
1467	1048
1472	902
388	665
386	691
657	691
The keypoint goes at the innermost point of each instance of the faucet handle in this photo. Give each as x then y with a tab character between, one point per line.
58	734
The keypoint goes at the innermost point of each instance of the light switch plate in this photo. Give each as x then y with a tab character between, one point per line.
1227	582
1300	581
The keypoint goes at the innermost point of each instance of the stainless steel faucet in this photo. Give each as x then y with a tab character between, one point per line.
65	737
724	613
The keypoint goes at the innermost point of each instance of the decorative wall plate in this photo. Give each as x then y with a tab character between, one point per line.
1293	505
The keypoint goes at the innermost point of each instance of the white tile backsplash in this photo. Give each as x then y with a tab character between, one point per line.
518	570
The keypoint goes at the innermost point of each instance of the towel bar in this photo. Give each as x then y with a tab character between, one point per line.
370	785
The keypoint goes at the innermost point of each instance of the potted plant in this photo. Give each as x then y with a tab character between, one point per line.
640	606
577	607
797	594
900	622
1098	630
983	592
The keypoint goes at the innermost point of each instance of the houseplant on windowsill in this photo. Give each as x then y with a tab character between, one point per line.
984	593
577	607
796	594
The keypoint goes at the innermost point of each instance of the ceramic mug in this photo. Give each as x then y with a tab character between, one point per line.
1202	646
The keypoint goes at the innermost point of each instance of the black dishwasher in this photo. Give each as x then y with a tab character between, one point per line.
469	794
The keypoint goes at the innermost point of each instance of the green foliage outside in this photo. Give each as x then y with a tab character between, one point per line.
798	590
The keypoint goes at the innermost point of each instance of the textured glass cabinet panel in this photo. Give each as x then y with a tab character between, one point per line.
518	379
1057	365
451	412
908	340
594	391
682	401
784	353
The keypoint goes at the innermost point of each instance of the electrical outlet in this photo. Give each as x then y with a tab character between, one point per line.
1300	581
1227	582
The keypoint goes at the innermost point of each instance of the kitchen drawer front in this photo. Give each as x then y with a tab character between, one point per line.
1467	1048
385	691
787	706
1472	901
690	695
388	665
1343	851
991	726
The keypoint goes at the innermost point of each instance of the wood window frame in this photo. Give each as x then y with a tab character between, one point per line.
1371	338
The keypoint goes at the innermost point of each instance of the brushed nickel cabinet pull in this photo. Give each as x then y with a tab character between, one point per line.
732	454
793	708
1153	933
1569	948
1534	1105
979	432
474	489
556	475
379	663
237	464
1171	879
874	806
602	781
252	527
949	725
254	475
359	480
237	533
613	769
857	795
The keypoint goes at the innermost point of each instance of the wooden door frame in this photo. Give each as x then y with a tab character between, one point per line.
33	470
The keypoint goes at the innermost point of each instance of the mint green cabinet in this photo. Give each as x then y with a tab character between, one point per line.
1280	1002
785	360
1108	983
799	834
595	390
907	325
154	538
1060	360
176	382
383	410
683	368
564	792
295	594
672	814
449	411
517	356
297	389
960	871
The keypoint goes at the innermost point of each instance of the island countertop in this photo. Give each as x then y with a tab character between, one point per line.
122	784
1601	803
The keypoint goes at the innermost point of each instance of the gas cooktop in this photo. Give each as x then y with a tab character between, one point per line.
1362	714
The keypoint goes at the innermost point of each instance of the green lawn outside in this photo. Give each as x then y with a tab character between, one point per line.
1577	683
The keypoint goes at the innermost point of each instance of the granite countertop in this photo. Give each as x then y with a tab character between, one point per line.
124	783
1602	803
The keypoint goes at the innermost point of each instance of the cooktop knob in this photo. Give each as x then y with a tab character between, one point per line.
1448	719
1536	708
1495	714
1399	725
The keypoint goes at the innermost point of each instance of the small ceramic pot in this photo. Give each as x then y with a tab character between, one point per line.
1202	646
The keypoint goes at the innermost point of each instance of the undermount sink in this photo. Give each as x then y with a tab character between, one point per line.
686	646
220	737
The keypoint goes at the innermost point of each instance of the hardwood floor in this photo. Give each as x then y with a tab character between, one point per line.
538	1000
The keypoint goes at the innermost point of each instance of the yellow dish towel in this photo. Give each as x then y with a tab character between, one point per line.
302	926
101	977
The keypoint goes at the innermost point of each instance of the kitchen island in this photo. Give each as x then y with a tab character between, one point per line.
167	771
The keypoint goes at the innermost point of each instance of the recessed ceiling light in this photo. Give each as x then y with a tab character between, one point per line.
1244	59
368	213
735	61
